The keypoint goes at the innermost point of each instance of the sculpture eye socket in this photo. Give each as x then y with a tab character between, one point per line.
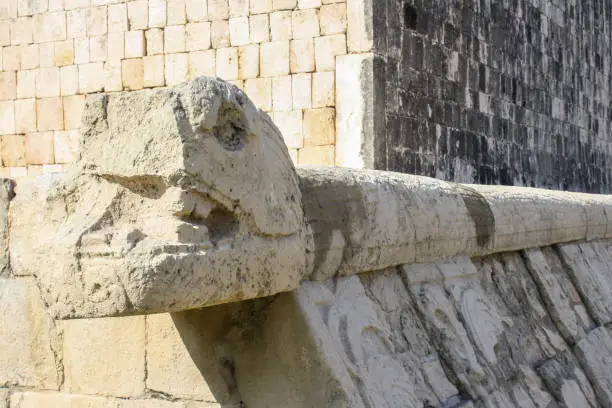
231	129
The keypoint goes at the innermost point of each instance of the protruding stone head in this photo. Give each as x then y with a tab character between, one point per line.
182	198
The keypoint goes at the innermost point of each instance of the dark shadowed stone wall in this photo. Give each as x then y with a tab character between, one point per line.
512	92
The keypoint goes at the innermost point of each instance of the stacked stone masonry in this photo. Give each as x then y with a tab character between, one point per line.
496	92
54	52
319	287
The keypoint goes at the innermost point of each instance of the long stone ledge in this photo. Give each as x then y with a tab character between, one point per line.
186	197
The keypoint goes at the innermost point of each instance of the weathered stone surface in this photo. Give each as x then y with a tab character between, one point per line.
588	265
595	355
365	220
558	293
6	194
29	342
170	367
59	400
191	197
4	398
105	356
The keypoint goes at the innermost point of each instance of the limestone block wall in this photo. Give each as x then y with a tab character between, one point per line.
53	52
491	92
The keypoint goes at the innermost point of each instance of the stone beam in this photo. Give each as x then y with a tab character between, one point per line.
187	197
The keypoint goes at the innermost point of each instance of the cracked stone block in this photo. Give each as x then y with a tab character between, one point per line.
29	339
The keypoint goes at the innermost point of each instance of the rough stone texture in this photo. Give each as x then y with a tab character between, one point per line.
29	339
365	220
488	92
105	356
170	368
458	333
6	194
193	201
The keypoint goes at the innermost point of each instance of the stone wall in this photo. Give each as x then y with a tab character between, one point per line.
53	52
490	92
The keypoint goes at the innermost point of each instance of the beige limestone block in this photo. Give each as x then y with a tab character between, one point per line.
116	46
248	61
274	59
323	89
132	74
155	41
117	18
218	9
105	356
30	7
281	93
73	110
227	63
22	30
81	51
219	34
98	48
197	36
150	403
76	23
260	6
5	33
25	115
49	114
28	338
112	79
319	127
8	85
327	49
176	13
176	68
134	44
17	172
174	39
12	150
30	399
317	156
7	117
333	19
239	31
170	367
65	145
290	125
309	4
63	52
157	13
197	10
259	27
260	92
11	58
280	26
47	82
30	56
50	26
153	71
302	55
284	4
8	9
91	77
202	63
239	8
301	90
74	4
39	148
359	31
305	23
138	14
69	80
26	84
